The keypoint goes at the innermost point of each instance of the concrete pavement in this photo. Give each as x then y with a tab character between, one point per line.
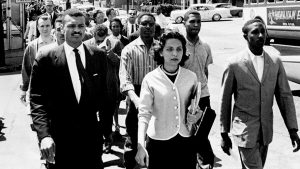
18	149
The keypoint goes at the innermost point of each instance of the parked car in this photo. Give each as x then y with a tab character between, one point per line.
208	12
84	8
234	11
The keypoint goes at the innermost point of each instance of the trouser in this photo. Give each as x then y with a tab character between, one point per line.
205	155
131	123
253	158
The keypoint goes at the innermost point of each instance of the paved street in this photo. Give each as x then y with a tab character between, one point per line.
18	149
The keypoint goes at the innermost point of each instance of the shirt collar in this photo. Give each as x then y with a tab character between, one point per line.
252	56
140	42
190	43
45	41
69	49
116	37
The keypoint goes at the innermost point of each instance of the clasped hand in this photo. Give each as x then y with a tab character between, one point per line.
193	116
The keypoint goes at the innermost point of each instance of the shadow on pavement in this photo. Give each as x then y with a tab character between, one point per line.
2	138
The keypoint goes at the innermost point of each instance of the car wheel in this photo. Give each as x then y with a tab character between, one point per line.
216	17
179	19
240	14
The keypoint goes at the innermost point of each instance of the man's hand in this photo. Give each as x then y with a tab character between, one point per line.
226	143
23	97
48	149
134	98
142	157
295	140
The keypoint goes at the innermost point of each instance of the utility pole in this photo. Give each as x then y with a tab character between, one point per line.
68	4
2	54
127	7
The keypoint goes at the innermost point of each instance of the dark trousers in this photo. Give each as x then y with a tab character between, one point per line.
205	154
131	122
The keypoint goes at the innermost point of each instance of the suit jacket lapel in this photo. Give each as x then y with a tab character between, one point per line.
249	64
61	63
88	60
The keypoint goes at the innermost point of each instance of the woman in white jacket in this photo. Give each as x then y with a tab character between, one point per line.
166	93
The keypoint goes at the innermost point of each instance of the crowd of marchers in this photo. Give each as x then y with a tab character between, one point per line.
77	67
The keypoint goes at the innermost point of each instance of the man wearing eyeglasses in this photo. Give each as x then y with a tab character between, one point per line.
130	26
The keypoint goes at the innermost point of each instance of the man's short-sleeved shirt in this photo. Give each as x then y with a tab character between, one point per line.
199	58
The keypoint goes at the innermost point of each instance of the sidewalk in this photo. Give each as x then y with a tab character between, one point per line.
18	147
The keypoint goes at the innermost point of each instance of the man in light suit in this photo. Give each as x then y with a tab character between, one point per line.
45	38
254	78
67	94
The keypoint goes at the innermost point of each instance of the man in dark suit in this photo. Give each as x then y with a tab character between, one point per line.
130	26
68	92
254	77
49	6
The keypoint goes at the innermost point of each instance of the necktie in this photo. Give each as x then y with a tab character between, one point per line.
79	65
132	28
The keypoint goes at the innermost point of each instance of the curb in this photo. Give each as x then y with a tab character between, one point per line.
10	68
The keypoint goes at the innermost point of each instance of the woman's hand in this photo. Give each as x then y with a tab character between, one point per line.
142	157
192	118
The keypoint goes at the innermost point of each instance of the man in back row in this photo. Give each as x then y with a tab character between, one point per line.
136	61
200	57
45	38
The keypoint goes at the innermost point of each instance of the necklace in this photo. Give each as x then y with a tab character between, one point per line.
168	73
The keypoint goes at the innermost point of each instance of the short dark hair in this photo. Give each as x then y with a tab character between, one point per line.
59	18
100	30
96	13
144	14
170	34
187	14
116	20
249	22
108	12
73	12
44	17
132	9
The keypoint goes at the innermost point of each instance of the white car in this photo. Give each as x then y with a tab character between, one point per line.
207	12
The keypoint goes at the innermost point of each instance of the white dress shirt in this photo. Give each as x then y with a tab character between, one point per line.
71	60
258	63
129	28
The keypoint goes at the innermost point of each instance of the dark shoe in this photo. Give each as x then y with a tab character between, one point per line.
117	136
128	144
107	147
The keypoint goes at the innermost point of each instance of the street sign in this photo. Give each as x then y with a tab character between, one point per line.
23	1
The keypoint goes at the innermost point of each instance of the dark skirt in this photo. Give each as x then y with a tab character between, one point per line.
172	153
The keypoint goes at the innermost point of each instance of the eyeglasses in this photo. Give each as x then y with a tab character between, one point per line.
133	14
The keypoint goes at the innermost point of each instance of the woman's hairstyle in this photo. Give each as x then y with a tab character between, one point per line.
169	34
116	20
